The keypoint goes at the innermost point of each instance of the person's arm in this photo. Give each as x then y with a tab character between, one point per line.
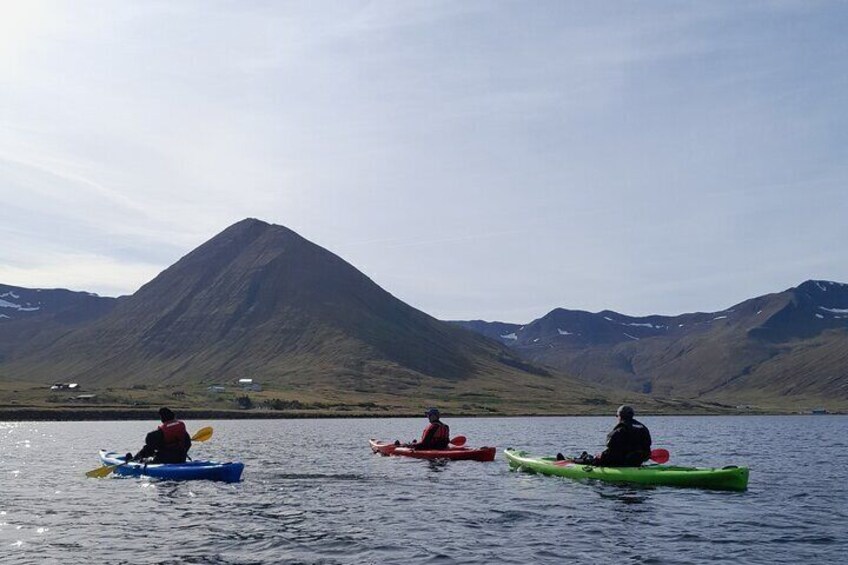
187	442
152	442
614	445
144	452
646	447
616	440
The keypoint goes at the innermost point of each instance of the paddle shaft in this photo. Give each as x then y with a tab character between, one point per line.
458	441
657	456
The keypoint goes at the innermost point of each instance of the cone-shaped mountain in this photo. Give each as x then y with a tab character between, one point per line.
259	300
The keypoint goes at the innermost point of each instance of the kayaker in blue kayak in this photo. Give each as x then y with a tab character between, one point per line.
169	443
436	435
628	444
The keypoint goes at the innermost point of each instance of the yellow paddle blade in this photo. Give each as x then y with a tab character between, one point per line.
203	434
101	472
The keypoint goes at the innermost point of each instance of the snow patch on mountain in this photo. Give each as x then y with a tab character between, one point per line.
18	307
834	310
646	325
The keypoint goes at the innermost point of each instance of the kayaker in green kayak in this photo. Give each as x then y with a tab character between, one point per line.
628	444
169	443
436	435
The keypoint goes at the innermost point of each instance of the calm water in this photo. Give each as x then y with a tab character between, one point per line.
314	493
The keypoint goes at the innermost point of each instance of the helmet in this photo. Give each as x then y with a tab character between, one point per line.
166	414
432	412
626	412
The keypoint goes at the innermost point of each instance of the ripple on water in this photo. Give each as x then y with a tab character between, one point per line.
319	477
333	502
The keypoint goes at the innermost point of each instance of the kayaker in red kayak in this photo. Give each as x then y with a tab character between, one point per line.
169	443
628	444
436	435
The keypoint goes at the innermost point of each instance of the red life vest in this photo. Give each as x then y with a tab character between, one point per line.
173	434
440	435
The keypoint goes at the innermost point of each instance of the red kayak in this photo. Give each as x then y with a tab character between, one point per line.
452	452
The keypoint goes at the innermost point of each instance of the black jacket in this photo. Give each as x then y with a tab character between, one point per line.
628	445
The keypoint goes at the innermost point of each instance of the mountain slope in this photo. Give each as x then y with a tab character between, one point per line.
260	301
28	315
779	346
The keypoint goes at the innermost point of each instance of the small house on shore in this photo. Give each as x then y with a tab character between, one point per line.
249	384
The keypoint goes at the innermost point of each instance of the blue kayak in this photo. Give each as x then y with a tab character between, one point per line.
189	471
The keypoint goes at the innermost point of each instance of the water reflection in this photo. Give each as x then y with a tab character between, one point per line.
438	465
627	497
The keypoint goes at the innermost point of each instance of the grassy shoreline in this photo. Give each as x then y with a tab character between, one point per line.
25	414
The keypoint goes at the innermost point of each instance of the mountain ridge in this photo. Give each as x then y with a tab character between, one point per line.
740	353
259	301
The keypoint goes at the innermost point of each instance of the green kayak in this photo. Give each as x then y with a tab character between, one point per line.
726	478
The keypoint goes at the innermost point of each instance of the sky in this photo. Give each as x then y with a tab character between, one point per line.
478	160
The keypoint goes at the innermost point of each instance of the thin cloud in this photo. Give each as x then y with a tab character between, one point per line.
479	160
394	243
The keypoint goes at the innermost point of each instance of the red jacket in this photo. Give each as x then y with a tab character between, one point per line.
173	435
435	436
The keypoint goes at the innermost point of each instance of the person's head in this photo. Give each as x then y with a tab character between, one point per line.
432	414
166	414
625	412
